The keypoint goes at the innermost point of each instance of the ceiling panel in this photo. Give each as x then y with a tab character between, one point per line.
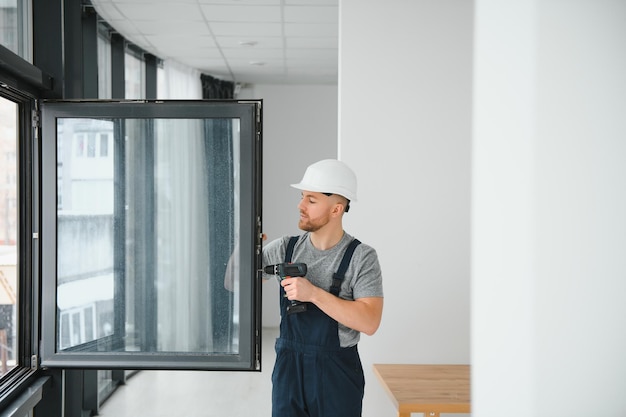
215	13
177	10
243	3
312	2
183	41
256	42
311	29
246	41
308	14
253	54
311	43
246	29
187	28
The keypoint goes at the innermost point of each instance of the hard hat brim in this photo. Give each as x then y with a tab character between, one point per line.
309	187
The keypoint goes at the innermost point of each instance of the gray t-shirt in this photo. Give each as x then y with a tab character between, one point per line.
363	277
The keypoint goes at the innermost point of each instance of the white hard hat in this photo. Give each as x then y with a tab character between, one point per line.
329	176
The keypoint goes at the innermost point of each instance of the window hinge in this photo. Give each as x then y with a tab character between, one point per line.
258	112
258	354
34	362
36	119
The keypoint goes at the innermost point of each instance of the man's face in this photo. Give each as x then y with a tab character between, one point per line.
315	211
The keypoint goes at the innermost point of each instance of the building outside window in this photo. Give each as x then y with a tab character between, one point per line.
8	235
85	217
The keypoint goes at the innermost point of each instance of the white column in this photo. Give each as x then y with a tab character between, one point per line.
549	204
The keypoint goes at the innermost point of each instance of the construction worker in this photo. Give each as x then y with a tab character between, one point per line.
318	372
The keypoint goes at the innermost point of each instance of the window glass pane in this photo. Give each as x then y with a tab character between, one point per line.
134	70
15	27
161	82
104	66
144	234
104	145
8	235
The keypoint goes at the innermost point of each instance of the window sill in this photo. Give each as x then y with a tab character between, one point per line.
22	393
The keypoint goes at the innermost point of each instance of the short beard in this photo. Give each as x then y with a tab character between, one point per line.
311	227
308	227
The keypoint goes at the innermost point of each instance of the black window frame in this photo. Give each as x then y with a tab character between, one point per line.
56	41
249	114
28	248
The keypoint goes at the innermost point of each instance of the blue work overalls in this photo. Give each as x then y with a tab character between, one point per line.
313	376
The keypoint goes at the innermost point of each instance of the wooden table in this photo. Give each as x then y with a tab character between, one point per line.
428	389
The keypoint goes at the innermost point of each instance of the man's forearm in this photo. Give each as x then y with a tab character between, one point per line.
363	314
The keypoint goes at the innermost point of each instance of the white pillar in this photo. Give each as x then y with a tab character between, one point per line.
549	205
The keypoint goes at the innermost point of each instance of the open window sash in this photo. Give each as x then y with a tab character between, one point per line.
151	234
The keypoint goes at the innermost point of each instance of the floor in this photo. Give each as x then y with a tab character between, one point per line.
197	393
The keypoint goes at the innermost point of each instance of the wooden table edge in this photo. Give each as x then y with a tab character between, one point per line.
407	408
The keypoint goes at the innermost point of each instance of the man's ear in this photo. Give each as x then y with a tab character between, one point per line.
339	208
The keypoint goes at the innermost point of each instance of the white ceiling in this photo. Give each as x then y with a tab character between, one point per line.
246	41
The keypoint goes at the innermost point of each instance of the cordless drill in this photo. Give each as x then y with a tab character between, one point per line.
289	270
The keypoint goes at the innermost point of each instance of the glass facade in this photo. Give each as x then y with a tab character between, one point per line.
141	227
134	77
15	27
104	65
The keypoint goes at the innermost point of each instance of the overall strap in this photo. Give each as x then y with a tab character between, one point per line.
290	246
343	267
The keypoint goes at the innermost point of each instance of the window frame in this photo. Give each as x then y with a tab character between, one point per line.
249	114
28	248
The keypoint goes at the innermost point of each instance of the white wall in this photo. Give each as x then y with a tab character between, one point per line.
405	127
299	128
549	230
541	138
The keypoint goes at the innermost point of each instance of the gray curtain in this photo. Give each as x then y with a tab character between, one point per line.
219	156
